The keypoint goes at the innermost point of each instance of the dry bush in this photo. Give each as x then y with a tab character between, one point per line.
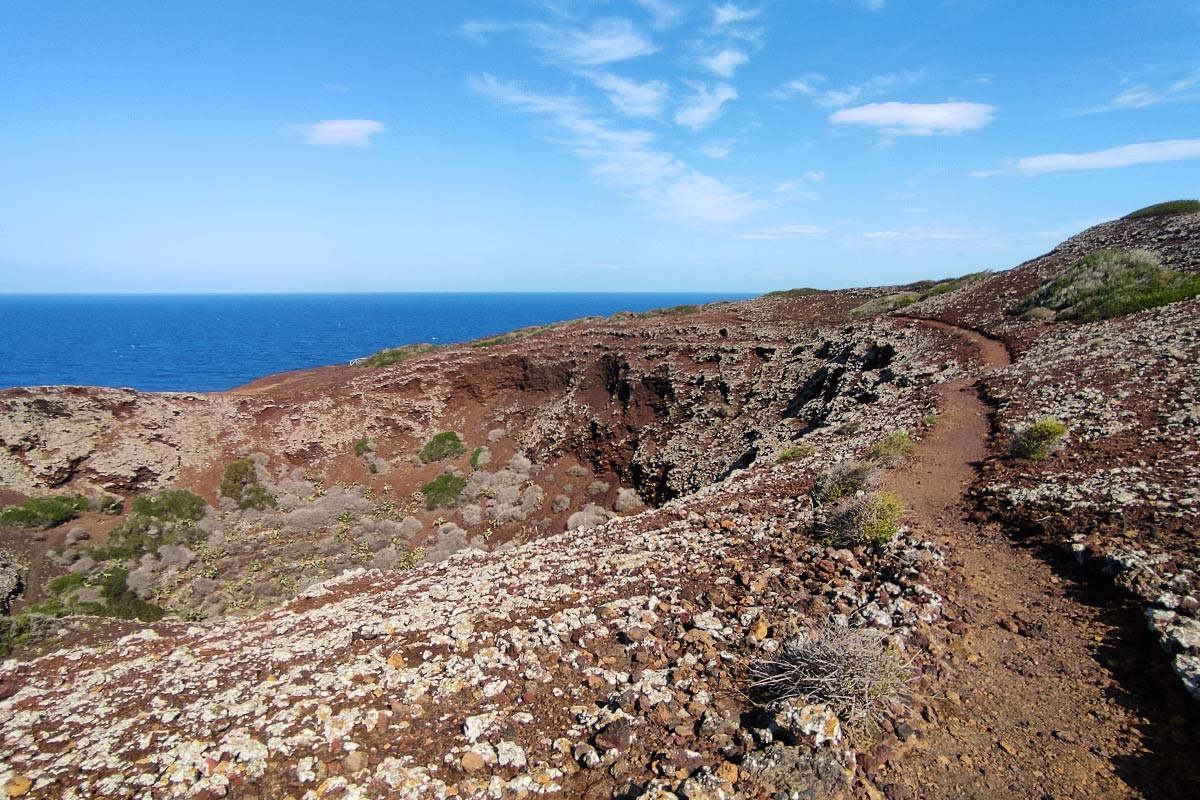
873	518
843	480
849	669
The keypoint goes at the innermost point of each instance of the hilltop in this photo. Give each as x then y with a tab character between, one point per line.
925	540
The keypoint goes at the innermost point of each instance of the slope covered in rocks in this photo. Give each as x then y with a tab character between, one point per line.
634	520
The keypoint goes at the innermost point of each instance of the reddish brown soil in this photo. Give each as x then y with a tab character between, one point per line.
1043	693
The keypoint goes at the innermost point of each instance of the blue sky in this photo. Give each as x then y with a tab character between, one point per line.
556	145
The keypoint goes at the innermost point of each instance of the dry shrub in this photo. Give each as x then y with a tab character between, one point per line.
849	669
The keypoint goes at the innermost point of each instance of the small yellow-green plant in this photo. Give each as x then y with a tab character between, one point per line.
1035	440
796	451
891	449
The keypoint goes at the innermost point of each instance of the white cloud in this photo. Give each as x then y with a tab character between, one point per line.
626	160
786	232
814	176
726	62
918	119
810	86
716	151
728	13
924	234
631	97
1125	156
705	105
608	40
340	132
665	14
1142	95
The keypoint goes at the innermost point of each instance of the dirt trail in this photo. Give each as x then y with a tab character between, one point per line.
1047	689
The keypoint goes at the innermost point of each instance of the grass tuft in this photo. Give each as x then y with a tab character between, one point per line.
395	355
891	449
44	512
873	518
793	453
1110	283
1166	209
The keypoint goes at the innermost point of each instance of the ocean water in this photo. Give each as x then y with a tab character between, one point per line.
205	343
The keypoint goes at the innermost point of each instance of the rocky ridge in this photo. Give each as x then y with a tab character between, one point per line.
612	659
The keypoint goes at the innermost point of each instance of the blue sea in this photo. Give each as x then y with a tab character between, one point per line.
206	343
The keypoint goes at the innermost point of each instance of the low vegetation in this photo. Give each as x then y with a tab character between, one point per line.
843	480
914	293
396	355
443	491
442	446
891	449
849	669
44	512
793	294
793	453
1166	209
241	485
872	518
1110	283
1036	440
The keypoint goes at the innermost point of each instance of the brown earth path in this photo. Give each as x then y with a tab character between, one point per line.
1049	687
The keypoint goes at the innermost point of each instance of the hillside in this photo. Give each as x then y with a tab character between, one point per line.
585	560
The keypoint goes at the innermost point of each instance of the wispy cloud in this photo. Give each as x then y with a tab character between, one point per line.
925	234
729	13
718	151
606	41
340	132
704	105
665	14
725	63
1143	95
626	160
918	119
811	86
633	98
786	232
801	187
1124	156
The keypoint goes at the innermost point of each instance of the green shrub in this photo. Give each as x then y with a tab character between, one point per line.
843	480
241	485
65	583
475	454
793	294
395	355
871	519
122	602
362	447
23	629
1166	209
882	305
1110	283
891	449
443	491
44	512
793	453
1034	441
177	505
445	445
